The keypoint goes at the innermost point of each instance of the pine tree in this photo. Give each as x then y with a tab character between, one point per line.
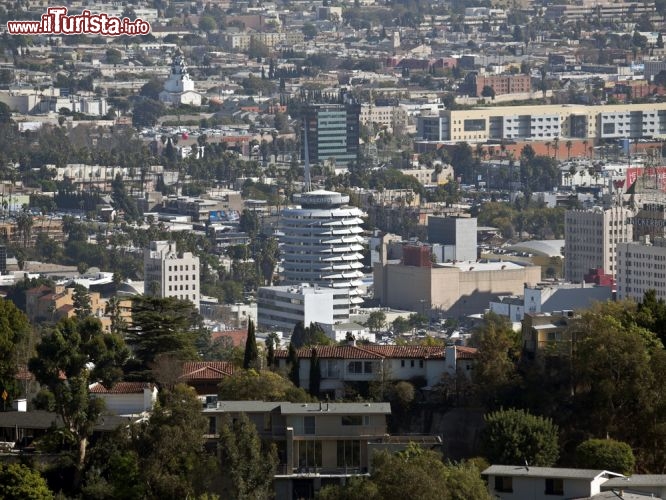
251	352
315	374
294	366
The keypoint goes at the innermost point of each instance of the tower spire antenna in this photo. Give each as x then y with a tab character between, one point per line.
307	184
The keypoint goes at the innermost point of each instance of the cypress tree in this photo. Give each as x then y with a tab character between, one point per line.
298	336
315	373
294	366
251	352
270	352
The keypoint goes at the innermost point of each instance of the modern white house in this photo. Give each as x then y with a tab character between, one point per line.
168	273
321	243
179	87
126	398
520	482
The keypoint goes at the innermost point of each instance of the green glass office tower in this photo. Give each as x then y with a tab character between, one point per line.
333	132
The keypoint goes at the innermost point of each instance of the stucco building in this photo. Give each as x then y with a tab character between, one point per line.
641	266
168	273
591	238
449	290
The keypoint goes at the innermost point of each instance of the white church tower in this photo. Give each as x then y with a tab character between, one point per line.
179	87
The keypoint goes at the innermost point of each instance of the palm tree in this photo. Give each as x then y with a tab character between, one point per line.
585	147
548	147
556	144
569	144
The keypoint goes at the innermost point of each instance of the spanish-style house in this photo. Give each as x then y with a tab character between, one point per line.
205	376
352	364
126	398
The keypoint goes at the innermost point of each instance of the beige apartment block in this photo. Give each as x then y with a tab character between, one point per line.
591	239
546	123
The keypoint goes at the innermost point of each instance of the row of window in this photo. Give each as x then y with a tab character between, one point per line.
348	454
553	486
183	277
186	267
187	287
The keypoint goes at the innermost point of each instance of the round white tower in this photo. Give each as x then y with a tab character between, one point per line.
321	242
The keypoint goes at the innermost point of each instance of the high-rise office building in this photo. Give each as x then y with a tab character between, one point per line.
168	273
322	243
332	132
591	238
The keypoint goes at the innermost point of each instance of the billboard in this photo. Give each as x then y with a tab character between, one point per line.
659	172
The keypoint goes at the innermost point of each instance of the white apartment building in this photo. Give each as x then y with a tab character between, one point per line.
591	238
284	306
168	273
544	123
321	243
641	266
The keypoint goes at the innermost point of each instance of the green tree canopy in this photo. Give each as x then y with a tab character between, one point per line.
250	385
14	332
170	446
397	476
513	437
247	467
495	374
75	354
606	454
19	482
376	321
162	326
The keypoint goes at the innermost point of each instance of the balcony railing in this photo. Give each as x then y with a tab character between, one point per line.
286	470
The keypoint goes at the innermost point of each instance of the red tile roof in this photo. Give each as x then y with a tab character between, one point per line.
463	352
370	352
206	370
38	290
238	337
121	388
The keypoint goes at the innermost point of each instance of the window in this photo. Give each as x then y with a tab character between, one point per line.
412	363
554	486
420	363
504	484
352	420
355	367
368	367
308	425
349	453
309	454
402	363
212	425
